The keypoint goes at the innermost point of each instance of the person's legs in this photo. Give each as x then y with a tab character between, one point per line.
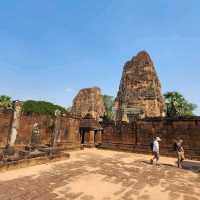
154	157
182	159
157	158
179	162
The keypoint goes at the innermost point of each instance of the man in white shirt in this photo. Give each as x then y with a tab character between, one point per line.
156	154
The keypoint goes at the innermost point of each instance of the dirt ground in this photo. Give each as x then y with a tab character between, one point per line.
103	175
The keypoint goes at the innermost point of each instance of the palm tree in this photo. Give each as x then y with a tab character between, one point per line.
177	105
5	102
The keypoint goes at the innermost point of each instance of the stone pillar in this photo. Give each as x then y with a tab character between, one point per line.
15	123
98	137
87	137
57	127
91	137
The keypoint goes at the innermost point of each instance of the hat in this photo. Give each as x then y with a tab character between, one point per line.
158	139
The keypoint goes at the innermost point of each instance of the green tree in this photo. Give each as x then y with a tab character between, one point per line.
108	103
41	107
5	102
177	105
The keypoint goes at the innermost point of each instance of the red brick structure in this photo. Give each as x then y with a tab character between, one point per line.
90	131
69	136
89	100
5	126
140	90
137	136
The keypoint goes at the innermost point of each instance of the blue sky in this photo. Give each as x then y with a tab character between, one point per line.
50	49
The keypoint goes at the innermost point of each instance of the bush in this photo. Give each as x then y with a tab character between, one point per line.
41	107
5	102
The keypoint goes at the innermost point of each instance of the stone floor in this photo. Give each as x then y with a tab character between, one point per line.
100	174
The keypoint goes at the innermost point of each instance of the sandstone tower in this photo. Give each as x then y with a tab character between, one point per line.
140	90
89	101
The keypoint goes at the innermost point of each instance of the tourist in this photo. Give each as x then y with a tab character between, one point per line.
151	144
156	154
180	153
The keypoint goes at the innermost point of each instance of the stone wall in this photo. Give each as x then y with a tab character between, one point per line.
138	135
118	136
26	126
69	131
5	125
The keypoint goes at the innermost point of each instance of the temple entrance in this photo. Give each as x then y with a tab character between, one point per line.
82	135
90	131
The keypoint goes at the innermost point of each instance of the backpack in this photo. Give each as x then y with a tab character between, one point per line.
151	146
175	146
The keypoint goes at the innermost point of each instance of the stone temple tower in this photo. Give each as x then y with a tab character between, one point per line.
89	101
140	90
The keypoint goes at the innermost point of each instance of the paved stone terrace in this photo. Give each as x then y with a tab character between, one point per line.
101	174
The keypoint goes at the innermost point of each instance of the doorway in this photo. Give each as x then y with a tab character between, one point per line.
82	134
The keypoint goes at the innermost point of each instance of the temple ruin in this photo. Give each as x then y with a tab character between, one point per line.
90	131
139	92
139	107
89	101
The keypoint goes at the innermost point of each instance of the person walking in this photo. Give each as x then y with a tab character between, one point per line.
180	153
156	154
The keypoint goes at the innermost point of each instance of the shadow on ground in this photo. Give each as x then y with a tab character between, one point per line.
132	177
190	165
187	165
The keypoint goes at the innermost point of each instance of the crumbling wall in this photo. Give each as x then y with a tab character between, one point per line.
26	127
5	125
138	135
69	133
119	136
170	130
68	136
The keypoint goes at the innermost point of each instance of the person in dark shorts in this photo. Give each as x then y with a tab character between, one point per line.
180	153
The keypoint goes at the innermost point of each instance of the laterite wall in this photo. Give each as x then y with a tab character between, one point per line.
138	135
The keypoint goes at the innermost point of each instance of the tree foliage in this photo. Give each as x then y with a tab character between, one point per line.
5	102
177	105
108	103
41	107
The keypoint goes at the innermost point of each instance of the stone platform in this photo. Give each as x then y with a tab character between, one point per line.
36	160
94	174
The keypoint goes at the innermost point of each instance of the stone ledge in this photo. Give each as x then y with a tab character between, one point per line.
32	162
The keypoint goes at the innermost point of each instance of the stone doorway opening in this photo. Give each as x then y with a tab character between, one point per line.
90	131
82	136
